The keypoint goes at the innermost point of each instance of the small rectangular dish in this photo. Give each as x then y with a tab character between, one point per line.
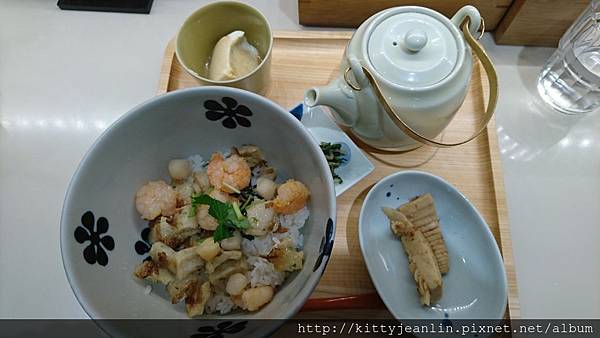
356	165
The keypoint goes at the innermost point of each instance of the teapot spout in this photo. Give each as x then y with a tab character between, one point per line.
342	102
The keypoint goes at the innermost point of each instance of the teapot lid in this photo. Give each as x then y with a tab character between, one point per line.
413	49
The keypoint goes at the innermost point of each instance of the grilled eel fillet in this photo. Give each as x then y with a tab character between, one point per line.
421	212
421	260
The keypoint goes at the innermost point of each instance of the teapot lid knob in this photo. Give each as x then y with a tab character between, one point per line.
413	47
415	39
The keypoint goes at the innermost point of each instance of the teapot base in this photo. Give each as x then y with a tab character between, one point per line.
380	145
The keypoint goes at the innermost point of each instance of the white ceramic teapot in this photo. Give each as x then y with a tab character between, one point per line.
404	75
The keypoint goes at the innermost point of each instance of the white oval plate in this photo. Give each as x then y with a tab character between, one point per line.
475	286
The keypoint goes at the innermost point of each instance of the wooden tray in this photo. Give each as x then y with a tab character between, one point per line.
305	59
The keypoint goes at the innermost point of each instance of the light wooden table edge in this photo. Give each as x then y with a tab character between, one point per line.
513	306
165	68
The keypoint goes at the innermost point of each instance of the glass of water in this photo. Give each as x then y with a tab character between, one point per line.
570	80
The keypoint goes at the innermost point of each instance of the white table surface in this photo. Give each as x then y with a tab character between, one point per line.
66	75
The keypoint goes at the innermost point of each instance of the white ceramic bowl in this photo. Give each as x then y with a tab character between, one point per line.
100	225
474	288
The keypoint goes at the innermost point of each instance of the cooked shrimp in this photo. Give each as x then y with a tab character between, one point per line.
154	199
291	197
229	174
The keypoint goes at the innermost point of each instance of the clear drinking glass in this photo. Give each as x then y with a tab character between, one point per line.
570	80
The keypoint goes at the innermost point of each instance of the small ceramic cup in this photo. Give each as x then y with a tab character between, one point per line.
200	32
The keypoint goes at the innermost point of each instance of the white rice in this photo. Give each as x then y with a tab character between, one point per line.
197	162
295	220
294	235
293	223
263	272
259	246
262	245
219	302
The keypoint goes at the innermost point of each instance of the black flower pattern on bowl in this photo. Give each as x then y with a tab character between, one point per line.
143	246
95	251
326	245
232	113
220	330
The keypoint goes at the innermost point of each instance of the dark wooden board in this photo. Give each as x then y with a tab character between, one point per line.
538	22
351	13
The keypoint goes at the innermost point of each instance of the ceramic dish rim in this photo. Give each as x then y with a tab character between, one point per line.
238	79
134	113
487	231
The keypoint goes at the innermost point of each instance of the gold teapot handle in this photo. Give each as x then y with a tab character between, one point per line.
399	122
